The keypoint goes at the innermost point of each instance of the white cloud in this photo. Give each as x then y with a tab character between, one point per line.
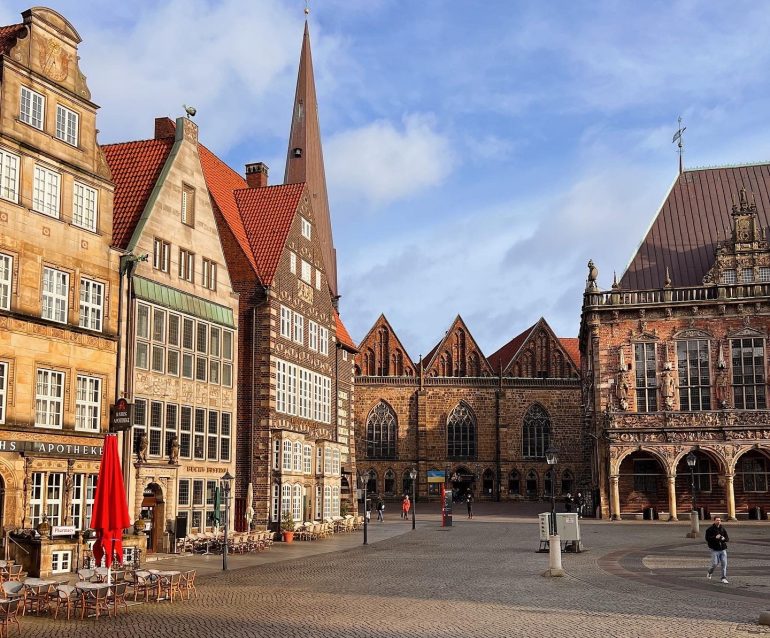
381	162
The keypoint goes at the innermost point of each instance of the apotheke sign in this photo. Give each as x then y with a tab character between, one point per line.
53	449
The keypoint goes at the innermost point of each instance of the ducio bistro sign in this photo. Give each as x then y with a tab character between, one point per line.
52	449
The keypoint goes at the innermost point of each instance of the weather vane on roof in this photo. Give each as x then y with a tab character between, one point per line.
678	137
307	7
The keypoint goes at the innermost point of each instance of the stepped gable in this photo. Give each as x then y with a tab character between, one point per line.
538	353
457	355
343	336
135	168
267	215
693	219
304	158
381	352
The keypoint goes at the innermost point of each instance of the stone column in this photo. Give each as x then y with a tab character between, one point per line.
729	488
615	497
672	497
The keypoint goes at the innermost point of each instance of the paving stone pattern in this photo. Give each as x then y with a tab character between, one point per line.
479	578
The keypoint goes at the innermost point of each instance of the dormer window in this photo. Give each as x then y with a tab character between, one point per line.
306	228
747	275
728	277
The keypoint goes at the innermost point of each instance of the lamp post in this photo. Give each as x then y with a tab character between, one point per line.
413	476
225	484
694	523
364	480
552	458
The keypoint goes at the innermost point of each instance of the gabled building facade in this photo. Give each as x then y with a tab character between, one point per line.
486	422
179	355
674	355
295	394
58	281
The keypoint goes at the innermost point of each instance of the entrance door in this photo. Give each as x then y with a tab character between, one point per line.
153	515
462	483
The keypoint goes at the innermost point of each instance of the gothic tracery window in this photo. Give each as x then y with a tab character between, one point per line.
381	429
536	435
461	433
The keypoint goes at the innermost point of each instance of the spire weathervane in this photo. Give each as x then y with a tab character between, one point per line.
678	137
307	7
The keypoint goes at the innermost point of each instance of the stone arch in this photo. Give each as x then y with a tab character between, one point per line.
642	475
714	453
762	447
708	476
751	482
514	482
531	483
662	459
389	482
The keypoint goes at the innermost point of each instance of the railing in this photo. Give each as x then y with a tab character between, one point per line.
711	292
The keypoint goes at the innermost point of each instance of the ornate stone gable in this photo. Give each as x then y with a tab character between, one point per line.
541	355
457	355
381	353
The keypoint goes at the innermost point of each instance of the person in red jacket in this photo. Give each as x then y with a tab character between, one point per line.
406	505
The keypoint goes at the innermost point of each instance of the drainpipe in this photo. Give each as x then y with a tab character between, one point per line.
497	431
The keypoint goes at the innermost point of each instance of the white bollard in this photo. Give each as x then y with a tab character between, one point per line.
694	525
554	556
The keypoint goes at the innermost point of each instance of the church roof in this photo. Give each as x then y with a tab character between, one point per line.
694	217
304	158
135	168
500	359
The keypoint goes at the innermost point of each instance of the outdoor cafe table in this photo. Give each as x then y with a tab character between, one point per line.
85	584
38	593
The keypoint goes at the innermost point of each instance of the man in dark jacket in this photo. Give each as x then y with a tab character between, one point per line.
717	538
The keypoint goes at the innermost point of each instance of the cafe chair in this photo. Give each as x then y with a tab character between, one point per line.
95	602
187	584
9	611
69	598
117	597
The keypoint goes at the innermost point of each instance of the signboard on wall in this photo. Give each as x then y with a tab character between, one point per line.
120	416
436	476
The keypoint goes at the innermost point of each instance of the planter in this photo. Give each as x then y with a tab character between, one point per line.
288	537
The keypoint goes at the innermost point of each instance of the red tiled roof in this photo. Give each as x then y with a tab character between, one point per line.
9	34
571	346
692	220
267	214
135	168
343	336
223	181
500	359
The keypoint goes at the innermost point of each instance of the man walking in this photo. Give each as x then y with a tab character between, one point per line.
717	538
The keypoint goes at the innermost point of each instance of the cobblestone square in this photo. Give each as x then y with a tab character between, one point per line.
478	578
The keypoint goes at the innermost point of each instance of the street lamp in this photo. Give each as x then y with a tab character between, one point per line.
694	523
364	480
552	458
413	476
225	484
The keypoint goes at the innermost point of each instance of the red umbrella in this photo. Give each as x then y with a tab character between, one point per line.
110	513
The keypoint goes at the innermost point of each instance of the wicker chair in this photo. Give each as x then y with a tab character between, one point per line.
187	584
68	597
117	597
96	601
9	611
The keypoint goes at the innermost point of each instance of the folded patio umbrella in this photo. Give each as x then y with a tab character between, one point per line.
110	513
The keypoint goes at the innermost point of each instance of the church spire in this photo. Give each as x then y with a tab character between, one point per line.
304	159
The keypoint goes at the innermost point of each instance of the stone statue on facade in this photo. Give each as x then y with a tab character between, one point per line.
668	387
141	452
593	274
621	390
173	454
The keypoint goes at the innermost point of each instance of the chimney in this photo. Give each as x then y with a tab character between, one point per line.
164	127
256	175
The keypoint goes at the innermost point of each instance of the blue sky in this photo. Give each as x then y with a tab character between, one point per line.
478	153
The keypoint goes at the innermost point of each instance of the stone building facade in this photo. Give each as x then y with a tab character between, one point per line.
485	422
674	356
179	355
58	280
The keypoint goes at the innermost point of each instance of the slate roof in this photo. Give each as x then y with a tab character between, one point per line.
343	336
267	214
135	168
9	34
694	217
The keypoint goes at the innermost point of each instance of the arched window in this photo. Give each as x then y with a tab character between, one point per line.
474	366
406	483
390	483
536	436
381	432
548	483
567	482
369	369
298	457
488	482
514	483
461	433
296	510
531	484
371	484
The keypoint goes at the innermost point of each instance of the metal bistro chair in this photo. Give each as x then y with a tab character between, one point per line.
37	598
69	598
95	600
9	612
117	597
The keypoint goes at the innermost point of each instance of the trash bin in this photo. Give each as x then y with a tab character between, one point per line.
755	513
649	514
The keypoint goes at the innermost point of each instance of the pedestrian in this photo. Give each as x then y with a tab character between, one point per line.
469	503
380	511
568	502
581	504
717	538
406	505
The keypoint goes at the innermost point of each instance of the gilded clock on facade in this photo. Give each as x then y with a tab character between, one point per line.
54	62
